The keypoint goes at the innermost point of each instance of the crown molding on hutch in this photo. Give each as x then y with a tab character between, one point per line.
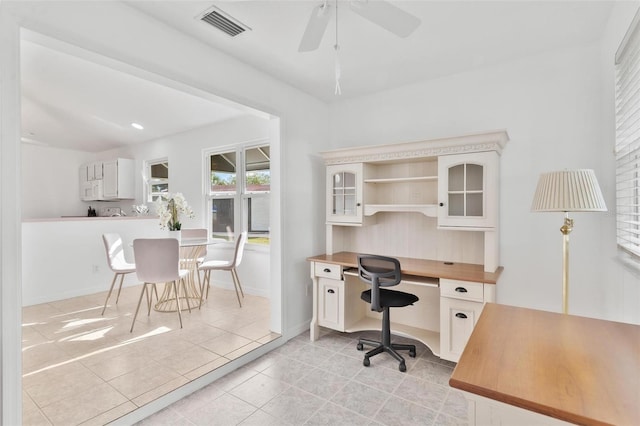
476	142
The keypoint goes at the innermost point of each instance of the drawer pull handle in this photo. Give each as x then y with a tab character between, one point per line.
461	289
330	291
461	315
327	270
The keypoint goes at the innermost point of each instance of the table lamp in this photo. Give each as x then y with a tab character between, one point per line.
568	191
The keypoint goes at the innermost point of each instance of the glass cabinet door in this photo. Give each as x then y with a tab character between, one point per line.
465	192
344	187
466	186
344	193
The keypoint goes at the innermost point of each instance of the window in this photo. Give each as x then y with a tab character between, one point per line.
239	187
157	173
628	140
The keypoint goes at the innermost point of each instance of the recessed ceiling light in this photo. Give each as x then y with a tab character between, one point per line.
137	126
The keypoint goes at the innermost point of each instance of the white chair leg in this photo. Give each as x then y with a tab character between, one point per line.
203	283
175	288
186	296
234	271
109	294
235	285
144	287
120	288
149	299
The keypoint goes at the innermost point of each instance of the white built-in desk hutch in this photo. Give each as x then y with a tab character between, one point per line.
433	205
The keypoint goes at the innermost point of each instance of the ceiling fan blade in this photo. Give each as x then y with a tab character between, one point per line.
316	27
386	15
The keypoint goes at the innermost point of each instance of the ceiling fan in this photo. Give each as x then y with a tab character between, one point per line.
380	12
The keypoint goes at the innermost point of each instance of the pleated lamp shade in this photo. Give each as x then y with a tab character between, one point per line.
568	191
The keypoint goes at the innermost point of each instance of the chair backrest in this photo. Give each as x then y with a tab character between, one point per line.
194	233
115	250
237	255
379	271
157	259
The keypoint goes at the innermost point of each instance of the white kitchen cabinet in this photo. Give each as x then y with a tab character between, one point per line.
331	303
118	178
107	180
345	194
461	303
91	171
468	191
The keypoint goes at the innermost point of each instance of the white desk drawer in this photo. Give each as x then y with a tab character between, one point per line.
464	290
328	270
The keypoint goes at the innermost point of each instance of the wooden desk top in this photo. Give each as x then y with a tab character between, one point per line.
421	267
580	370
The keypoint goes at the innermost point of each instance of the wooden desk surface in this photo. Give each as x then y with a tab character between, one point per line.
580	370
421	267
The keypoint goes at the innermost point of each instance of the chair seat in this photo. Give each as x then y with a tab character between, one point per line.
198	260
216	264
124	268
391	298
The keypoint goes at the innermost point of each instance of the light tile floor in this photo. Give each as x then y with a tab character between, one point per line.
325	383
83	368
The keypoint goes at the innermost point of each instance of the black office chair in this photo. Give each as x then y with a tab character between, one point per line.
381	271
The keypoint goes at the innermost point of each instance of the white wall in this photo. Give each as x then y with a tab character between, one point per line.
551	106
50	181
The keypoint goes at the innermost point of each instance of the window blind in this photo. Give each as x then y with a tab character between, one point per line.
627	147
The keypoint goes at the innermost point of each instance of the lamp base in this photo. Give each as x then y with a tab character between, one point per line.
566	229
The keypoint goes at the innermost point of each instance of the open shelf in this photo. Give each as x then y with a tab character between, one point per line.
429	210
428	337
402	179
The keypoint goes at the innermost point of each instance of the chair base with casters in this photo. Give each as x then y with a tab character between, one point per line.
382	271
385	344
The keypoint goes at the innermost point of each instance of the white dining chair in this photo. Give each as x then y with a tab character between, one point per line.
158	261
117	263
225	265
194	233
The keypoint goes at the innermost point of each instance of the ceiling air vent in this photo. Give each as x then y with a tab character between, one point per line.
222	21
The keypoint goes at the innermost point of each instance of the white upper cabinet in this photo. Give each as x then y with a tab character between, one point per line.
107	180
118	179
345	194
467	190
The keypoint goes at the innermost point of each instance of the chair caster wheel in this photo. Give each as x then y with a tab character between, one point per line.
366	362
359	347
402	367
412	354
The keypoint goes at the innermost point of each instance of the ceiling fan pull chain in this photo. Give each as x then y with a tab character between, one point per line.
337	70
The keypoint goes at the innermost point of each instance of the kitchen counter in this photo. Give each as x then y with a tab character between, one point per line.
64	257
87	218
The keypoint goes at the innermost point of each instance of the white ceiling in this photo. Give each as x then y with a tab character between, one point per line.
74	102
454	36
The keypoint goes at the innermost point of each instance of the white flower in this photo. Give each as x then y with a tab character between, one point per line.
170	207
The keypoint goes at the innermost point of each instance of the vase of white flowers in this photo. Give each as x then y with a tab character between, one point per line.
170	207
